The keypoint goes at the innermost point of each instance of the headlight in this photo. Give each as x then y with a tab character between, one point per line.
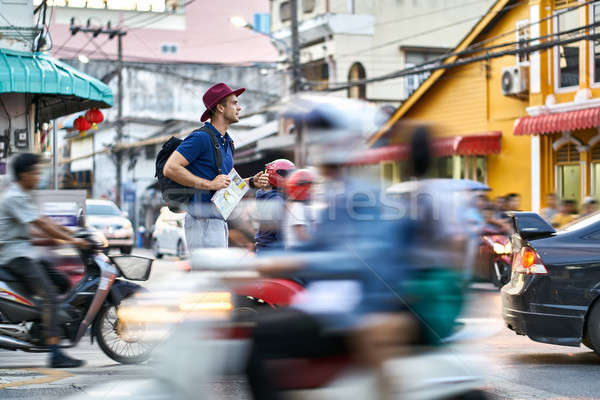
201	305
127	224
211	302
498	248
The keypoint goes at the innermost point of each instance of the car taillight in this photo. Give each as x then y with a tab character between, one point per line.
528	261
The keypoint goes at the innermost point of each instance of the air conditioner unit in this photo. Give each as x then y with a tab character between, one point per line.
515	80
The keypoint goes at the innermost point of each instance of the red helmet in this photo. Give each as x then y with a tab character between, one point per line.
299	184
278	170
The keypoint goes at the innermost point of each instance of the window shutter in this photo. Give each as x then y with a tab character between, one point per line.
567	154
558	4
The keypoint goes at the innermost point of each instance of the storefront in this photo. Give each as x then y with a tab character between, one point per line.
569	150
35	89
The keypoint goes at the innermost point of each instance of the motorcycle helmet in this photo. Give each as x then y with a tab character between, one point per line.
299	184
278	170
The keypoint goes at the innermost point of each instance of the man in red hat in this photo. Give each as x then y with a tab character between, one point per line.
193	165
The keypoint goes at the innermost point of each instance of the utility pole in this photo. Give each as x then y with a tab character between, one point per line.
300	151
296	71
118	154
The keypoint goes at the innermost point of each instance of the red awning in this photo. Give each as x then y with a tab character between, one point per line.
565	121
468	145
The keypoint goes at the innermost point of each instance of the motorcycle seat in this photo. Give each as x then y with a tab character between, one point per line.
6	276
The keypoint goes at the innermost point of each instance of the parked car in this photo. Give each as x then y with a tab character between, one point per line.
553	293
169	234
105	216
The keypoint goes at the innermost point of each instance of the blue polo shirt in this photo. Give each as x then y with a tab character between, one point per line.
197	149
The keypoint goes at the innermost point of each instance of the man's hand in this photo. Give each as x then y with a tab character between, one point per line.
220	182
82	244
261	180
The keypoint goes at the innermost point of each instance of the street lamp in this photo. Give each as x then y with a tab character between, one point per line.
240	22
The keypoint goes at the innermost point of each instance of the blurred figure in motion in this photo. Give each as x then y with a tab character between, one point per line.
18	216
551	209
298	219
500	206
270	205
588	206
361	296
567	213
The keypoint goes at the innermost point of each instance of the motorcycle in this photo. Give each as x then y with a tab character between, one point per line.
206	337
495	258
91	303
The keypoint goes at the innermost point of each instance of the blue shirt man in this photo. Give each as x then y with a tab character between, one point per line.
193	165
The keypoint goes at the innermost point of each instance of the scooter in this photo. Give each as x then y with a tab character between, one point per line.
496	258
208	340
91	303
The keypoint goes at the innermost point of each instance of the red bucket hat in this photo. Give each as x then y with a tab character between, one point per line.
215	94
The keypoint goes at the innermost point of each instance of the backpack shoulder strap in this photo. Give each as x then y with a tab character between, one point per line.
216	149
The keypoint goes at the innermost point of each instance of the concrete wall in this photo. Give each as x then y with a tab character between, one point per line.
19	14
398	23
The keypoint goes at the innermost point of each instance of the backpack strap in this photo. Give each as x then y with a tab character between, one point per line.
216	149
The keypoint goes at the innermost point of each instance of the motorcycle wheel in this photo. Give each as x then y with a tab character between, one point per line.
116	342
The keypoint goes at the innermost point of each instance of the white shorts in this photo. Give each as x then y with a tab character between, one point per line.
205	232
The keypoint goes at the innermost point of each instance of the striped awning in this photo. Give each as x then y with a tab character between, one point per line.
467	145
559	122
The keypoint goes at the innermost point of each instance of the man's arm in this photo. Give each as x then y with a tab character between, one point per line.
56	231
175	169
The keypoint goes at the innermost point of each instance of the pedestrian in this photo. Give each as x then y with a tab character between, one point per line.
192	165
551	209
18	215
500	206
588	207
567	213
270	205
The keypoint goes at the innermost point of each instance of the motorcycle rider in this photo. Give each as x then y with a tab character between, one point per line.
270	205
351	266
18	216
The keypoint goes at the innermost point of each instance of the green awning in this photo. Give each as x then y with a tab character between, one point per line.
58	88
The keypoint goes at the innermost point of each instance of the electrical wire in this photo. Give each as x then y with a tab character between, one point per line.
16	29
429	31
475	46
423	68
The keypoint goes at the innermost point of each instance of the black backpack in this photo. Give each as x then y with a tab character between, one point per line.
174	194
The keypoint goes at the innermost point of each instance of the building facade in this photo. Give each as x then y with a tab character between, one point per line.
346	40
531	117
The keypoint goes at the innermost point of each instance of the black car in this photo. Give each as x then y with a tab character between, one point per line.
553	293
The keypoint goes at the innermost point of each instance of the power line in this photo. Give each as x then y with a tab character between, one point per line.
476	46
423	68
429	31
16	29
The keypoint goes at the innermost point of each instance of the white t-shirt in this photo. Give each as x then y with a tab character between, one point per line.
296	213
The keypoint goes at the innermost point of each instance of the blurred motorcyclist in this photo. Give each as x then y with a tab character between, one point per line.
270	205
351	267
298	219
18	215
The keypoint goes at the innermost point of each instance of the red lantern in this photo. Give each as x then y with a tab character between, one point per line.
94	116
81	124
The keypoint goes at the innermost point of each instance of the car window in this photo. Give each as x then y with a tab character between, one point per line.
102	209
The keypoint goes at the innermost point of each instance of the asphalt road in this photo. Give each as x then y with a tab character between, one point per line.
515	367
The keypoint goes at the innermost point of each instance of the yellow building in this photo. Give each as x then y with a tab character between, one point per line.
525	122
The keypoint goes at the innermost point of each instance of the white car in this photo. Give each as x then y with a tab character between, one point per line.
105	216
169	234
